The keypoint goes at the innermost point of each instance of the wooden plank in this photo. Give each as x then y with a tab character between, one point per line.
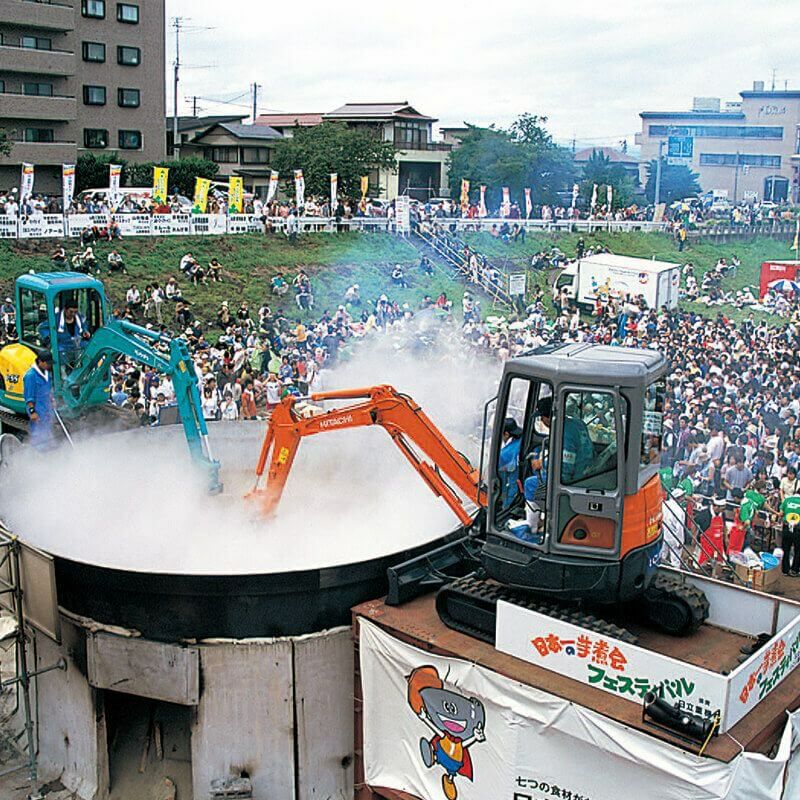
323	669
149	669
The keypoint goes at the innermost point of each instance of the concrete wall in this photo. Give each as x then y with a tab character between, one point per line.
72	733
279	710
245	719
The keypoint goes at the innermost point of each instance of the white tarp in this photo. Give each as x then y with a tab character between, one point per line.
534	745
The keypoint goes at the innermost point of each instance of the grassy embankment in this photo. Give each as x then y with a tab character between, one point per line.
336	261
517	256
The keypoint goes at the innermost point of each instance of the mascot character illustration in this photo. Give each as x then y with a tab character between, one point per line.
457	722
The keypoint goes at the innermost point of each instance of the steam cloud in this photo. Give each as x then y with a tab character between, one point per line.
133	501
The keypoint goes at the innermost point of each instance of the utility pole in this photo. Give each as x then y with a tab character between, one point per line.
255	87
736	179
657	198
176	149
194	98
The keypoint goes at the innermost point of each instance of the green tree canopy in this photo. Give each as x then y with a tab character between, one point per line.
523	156
601	170
332	147
677	182
5	143
92	172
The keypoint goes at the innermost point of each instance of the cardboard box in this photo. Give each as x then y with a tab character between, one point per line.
762	579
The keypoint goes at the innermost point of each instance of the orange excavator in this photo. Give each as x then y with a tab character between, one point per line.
405	422
569	508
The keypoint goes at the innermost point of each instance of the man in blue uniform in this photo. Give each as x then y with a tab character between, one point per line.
508	463
577	450
38	392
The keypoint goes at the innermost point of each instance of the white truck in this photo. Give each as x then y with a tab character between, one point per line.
605	275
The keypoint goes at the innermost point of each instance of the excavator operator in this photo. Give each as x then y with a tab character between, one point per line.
72	331
577	449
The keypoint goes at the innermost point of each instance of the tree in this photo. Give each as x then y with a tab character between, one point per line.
601	170
182	174
677	182
524	156
92	172
333	147
5	143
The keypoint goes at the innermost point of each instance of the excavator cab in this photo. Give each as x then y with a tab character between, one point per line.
574	498
41	301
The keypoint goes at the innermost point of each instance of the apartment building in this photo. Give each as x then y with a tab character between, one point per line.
80	76
746	148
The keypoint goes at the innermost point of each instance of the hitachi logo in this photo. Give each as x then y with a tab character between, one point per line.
335	421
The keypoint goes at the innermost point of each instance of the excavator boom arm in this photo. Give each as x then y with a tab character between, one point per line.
117	338
409	427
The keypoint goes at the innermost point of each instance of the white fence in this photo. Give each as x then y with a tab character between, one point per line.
59	226
566	225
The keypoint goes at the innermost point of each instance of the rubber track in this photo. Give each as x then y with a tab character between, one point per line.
469	605
670	590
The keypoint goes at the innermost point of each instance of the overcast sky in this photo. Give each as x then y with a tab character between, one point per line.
590	67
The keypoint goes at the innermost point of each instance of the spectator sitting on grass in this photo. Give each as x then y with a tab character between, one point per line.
215	270
115	263
279	286
172	290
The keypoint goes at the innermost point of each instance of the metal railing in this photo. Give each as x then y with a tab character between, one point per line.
452	251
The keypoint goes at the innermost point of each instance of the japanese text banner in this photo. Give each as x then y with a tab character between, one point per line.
497	739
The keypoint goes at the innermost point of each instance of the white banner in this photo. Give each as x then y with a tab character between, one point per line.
26	182
272	189
438	727
762	672
41	226
528	204
334	192
77	222
209	224
114	174
575	192
8	227
516	284
402	214
624	670
299	188
505	206
171	224
482	212
594	196
134	224
244	223
67	184
609	196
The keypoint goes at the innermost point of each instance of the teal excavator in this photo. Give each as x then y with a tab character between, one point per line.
82	374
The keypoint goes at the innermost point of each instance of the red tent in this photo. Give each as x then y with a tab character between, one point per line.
775	271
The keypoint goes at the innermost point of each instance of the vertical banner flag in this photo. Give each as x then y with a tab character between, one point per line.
299	188
364	189
272	189
67	184
200	202
609	196
160	185
114	174
334	192
482	212
796	242
464	197
528	204
235	195
575	192
505	208
26	184
594	196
